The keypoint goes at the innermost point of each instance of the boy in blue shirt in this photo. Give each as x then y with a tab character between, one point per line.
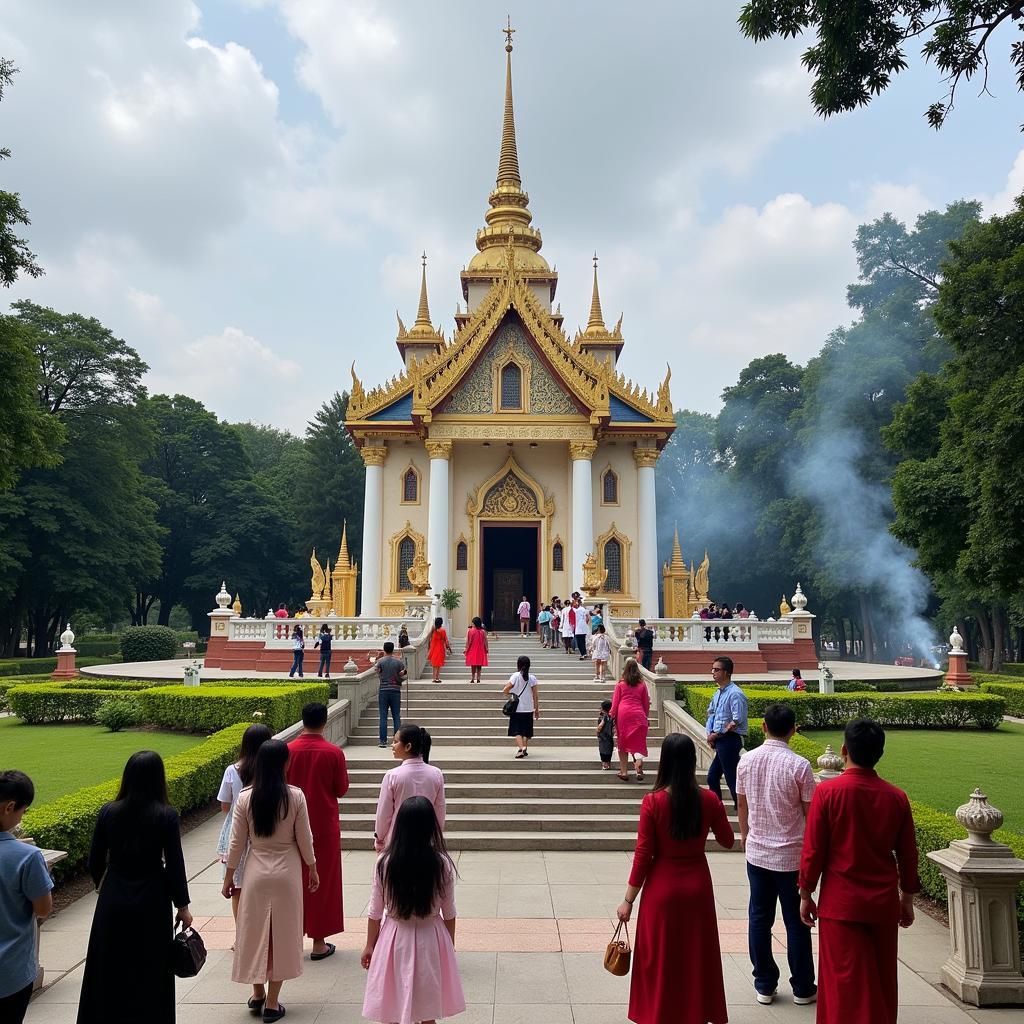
24	896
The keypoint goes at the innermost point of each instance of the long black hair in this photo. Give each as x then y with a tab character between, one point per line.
143	781
523	665
269	802
418	739
413	871
252	739
677	767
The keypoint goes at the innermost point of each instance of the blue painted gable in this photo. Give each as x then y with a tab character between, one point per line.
399	410
622	413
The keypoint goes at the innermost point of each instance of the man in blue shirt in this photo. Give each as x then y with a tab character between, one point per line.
24	896
726	726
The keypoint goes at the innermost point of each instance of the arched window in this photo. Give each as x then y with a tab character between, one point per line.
406	553
610	488
410	486
613	563
461	555
511	386
557	557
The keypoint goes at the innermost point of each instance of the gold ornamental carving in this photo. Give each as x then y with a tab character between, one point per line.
419	573
374	455
593	577
582	450
488	430
438	449
510	499
645	458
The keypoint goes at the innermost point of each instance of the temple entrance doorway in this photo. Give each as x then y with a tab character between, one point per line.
510	569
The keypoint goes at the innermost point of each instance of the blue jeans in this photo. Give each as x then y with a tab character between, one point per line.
727	755
767	887
325	664
296	663
390	698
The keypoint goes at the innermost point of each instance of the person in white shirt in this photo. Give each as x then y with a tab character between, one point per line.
581	628
774	787
520	723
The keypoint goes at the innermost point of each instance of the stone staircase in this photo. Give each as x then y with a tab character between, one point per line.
558	798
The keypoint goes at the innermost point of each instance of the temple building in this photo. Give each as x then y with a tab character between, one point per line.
511	459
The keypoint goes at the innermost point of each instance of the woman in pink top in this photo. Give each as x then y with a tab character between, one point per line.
413	777
524	616
631	703
476	649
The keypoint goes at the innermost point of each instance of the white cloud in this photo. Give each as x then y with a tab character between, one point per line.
1002	201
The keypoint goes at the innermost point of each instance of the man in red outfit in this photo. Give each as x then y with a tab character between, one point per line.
318	768
860	843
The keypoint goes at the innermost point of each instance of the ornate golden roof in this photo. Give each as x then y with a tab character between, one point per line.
509	217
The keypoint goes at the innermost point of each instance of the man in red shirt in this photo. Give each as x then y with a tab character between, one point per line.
318	768
860	843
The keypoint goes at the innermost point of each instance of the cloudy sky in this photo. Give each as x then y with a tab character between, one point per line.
241	188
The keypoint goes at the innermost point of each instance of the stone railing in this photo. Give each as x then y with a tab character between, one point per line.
676	719
696	634
355	633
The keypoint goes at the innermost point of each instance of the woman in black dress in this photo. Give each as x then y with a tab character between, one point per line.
137	865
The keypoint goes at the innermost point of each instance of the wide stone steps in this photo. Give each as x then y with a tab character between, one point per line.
529	776
458	839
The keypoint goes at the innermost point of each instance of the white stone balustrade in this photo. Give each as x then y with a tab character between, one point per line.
697	634
355	633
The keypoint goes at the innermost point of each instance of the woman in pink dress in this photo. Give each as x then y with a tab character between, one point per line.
631	703
410	929
476	649
414	776
439	647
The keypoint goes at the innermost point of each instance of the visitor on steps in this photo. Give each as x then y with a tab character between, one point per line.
596	618
136	855
644	643
272	822
524	616
24	898
298	649
317	766
236	777
631	704
581	628
390	673
568	631
774	787
544	622
413	976
677	961
555	625
860	843
520	722
476	648
605	735
324	641
600	651
726	726
439	647
414	776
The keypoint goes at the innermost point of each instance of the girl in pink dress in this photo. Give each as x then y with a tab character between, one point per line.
631	704
410	930
476	649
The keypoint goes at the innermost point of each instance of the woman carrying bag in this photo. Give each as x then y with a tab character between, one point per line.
523	705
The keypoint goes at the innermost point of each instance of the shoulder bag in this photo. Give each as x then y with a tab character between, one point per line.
510	706
617	955
188	952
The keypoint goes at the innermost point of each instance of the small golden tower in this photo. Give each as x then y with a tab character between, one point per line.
343	579
602	344
685	590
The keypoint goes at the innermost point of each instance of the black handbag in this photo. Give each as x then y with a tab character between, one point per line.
511	706
188	953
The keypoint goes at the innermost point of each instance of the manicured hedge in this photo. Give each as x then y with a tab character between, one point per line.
149	643
200	708
831	711
1012	693
51	702
40	666
192	780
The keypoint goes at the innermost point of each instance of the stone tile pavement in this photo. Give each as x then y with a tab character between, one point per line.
532	927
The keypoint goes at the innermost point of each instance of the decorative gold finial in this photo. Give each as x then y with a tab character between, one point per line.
343	561
422	328
508	160
677	552
508	30
596	322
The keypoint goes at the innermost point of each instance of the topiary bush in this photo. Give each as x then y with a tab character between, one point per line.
1012	693
149	643
118	713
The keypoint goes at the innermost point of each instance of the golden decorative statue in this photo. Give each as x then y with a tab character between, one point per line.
685	590
784	608
700	579
593	578
318	580
419	574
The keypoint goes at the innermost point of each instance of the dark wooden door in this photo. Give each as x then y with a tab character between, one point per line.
508	592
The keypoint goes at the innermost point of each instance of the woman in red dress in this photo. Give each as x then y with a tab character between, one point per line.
677	964
439	646
476	649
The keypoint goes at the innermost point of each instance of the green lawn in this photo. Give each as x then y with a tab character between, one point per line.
942	768
63	758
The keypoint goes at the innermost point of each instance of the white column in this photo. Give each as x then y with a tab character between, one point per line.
647	528
438	540
373	507
582	540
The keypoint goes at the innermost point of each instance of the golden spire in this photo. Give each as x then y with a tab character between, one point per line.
343	561
422	329
508	160
677	553
595	325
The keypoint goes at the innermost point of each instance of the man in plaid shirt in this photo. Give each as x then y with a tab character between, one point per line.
774	788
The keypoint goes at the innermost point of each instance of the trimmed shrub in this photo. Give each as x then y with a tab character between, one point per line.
44	666
192	780
1012	693
99	645
833	711
118	713
149	643
203	708
49	702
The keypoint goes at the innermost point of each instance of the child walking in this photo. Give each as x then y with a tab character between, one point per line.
439	647
410	929
605	734
600	652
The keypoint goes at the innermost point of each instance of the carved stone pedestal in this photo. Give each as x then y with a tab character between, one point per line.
65	665
981	877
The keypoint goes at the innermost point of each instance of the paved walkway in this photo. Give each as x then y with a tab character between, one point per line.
531	931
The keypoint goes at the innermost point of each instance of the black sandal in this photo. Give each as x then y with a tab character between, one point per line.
520	754
256	1006
323	956
269	1016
